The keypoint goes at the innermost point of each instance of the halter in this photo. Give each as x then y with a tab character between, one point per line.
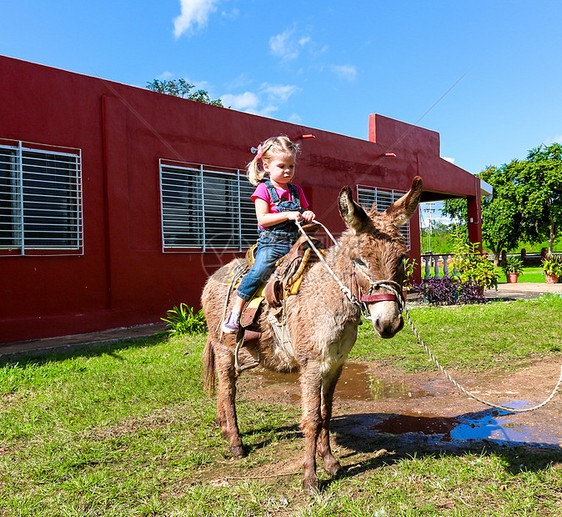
374	285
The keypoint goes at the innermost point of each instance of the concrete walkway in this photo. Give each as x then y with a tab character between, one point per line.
523	290
44	346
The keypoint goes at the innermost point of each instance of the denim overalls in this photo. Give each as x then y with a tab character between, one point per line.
273	243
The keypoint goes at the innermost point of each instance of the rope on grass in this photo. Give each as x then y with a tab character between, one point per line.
471	395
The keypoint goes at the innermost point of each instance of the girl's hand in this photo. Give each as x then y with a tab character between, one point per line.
294	216
308	216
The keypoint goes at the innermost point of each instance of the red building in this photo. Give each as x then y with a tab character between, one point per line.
117	202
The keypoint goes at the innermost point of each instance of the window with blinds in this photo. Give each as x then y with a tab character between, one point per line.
205	208
40	200
383	198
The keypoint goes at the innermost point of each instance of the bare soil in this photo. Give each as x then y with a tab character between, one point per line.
381	412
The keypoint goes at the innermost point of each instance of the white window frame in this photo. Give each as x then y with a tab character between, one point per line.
41	205
383	198
205	208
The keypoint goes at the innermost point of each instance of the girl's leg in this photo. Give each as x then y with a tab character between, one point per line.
268	253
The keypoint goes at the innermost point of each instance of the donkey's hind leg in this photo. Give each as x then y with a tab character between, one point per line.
226	402
331	465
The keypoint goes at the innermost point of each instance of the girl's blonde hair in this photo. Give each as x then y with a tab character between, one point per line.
275	144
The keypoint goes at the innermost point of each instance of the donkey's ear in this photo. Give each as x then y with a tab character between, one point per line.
402	209
353	215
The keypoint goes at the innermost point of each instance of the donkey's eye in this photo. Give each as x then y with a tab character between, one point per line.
359	262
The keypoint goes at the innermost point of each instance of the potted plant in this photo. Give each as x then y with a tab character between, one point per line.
512	267
552	266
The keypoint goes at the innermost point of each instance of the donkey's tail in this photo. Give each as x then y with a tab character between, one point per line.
209	367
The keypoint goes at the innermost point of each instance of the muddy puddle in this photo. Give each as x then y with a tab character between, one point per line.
358	384
491	425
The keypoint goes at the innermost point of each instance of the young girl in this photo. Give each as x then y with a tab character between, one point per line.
278	205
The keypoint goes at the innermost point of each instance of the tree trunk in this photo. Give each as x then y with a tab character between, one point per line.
551	237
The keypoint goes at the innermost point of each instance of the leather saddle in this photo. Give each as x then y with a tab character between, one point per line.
286	278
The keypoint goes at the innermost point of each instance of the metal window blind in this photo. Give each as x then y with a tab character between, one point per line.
40	200
205	208
383	198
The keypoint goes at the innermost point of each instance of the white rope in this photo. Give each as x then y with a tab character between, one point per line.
471	395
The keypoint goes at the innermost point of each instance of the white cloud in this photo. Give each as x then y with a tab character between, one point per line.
346	72
231	15
247	101
193	12
165	76
264	102
446	158
286	46
279	92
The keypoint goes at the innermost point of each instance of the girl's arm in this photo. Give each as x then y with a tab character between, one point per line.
267	218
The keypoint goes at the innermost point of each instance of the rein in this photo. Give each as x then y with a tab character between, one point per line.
396	296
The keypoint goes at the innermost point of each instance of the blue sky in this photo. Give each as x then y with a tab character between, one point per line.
485	74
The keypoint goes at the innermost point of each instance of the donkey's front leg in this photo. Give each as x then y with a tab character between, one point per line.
311	385
226	405
331	465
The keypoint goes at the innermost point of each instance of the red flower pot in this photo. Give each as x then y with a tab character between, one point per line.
512	278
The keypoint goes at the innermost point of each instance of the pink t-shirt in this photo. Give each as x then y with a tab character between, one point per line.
284	194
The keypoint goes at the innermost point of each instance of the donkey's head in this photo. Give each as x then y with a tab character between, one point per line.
376	249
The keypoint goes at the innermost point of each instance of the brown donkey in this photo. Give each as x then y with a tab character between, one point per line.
363	270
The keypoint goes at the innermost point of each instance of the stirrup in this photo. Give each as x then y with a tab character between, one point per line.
239	345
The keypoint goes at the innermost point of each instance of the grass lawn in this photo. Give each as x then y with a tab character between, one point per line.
529	275
126	430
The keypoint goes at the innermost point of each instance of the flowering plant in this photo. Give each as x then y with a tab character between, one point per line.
450	291
552	264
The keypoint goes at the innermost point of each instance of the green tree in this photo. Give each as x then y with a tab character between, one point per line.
457	210
540	194
501	214
181	88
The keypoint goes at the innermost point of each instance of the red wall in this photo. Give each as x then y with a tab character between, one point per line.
123	278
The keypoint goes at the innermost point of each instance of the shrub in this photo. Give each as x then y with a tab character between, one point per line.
552	264
409	265
450	291
471	265
183	320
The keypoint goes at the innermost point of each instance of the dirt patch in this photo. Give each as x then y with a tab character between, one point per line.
374	401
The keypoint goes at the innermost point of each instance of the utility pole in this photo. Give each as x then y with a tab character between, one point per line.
430	210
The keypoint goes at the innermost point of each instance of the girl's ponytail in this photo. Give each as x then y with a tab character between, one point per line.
255	170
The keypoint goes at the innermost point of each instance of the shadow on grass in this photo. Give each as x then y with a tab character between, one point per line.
371	435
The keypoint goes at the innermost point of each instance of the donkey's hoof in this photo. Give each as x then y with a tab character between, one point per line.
310	484
332	467
237	451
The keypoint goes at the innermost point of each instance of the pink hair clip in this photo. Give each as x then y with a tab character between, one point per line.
259	152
